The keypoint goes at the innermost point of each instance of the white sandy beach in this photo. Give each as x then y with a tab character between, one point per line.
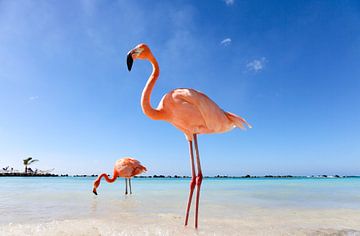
255	222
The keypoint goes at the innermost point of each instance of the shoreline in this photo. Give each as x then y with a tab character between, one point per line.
188	177
28	175
229	206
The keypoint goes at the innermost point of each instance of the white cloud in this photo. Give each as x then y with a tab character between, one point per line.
32	98
256	65
226	42
229	2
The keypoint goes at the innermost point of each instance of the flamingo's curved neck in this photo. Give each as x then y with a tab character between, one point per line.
145	98
109	180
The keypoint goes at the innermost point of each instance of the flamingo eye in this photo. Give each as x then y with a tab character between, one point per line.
139	50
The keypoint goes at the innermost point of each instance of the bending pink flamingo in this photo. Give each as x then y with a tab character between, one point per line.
126	167
190	111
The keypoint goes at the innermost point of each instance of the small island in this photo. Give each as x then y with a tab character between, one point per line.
9	171
28	172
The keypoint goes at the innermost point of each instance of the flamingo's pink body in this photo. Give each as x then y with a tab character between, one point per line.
195	113
190	111
126	167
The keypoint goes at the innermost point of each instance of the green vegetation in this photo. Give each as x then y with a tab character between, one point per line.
27	162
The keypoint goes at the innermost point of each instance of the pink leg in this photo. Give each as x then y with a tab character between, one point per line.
192	182
199	178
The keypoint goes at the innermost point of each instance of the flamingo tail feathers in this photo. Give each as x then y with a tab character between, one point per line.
237	120
139	169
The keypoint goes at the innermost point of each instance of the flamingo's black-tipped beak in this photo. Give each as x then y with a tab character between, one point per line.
94	191
129	60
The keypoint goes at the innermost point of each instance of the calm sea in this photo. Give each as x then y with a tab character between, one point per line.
261	206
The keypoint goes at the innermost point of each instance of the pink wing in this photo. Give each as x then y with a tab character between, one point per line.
128	167
194	112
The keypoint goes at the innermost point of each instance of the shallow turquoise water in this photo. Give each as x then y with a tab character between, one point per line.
40	200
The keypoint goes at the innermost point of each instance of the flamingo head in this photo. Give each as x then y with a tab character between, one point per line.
141	51
96	185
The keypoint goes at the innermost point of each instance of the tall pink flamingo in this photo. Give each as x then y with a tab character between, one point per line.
190	111
126	167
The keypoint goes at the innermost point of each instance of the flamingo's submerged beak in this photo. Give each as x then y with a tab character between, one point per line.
129	60
94	191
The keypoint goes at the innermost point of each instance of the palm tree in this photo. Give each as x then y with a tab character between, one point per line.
27	162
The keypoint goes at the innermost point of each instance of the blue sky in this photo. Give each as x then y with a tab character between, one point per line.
291	68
